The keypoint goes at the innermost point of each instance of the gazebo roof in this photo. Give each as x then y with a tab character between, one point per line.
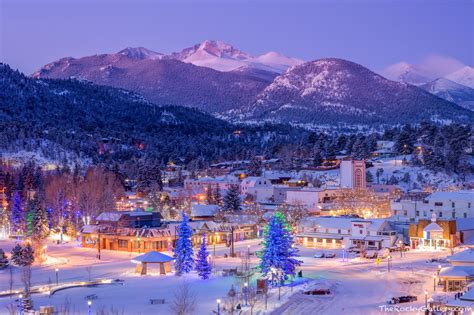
432	227
152	257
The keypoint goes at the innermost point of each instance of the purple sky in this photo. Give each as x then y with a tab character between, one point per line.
375	33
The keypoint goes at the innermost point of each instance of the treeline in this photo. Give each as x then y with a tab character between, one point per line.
63	200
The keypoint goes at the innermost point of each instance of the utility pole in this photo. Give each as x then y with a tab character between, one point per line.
232	241
98	243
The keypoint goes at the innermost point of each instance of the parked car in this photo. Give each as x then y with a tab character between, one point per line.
319	255
354	250
402	299
437	260
330	255
371	254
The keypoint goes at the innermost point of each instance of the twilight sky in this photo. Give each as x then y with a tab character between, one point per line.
374	33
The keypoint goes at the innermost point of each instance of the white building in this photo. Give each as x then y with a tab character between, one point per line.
352	174
200	184
314	199
258	187
334	232
461	272
385	148
445	205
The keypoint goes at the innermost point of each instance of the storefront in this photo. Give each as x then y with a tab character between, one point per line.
432	235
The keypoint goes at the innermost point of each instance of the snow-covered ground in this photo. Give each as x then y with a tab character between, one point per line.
358	286
418	177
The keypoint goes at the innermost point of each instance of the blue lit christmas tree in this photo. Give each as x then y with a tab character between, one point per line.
203	267
18	215
277	258
183	252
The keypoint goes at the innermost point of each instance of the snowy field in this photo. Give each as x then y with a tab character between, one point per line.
358	286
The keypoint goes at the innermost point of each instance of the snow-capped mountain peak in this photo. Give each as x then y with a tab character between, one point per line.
225	57
464	76
278	61
406	72
140	53
451	91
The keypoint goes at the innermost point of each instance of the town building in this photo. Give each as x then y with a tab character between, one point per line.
131	201
316	200
200	185
460	273
444	204
203	212
335	232
260	188
432	234
137	232
385	149
352	174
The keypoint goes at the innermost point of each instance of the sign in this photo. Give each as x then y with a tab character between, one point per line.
377	261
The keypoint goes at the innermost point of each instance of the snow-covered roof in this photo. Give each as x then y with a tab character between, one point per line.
462	195
251	180
109	216
433	227
341	223
463	224
89	228
327	222
152	257
198	210
468	296
376	224
464	256
456	271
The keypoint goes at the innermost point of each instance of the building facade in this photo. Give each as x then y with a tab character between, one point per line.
445	205
335	232
352	174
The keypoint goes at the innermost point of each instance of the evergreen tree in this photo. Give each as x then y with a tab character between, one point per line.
40	220
3	260
378	173
317	158
18	220
210	198
16	254
277	260
23	256
232	200
149	178
255	167
183	252
405	141
369	177
218	196
203	267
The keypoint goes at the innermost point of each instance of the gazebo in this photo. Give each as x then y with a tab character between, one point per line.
153	257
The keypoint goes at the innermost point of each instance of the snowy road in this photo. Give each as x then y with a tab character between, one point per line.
358	286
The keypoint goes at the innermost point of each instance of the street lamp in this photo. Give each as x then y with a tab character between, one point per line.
218	307
89	304
248	251
20	303
388	262
57	276
426	298
434	283
246	292
439	269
